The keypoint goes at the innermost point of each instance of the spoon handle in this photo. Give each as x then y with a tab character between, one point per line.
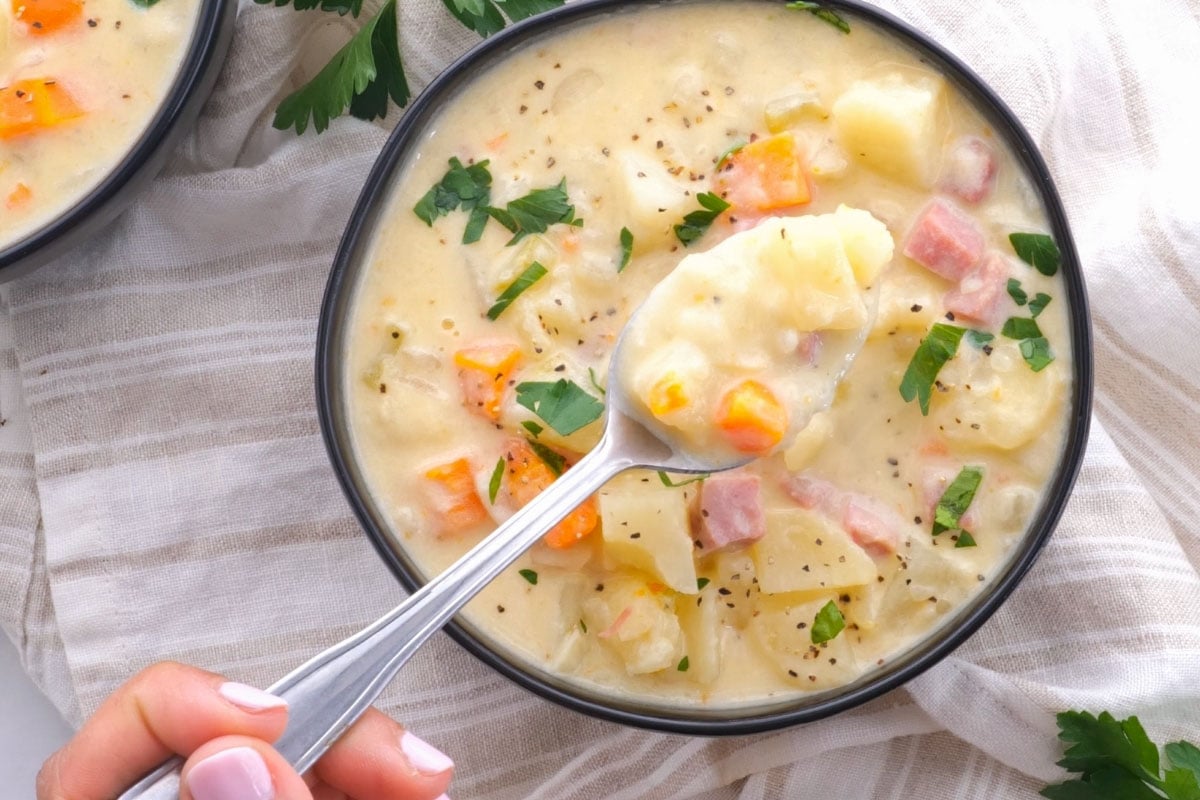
326	695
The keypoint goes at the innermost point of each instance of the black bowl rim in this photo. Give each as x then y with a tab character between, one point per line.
681	719
197	74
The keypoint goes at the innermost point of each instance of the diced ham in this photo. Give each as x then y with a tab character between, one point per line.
814	494
731	511
872	528
978	295
970	169
945	241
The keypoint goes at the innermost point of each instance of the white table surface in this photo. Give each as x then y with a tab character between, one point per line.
30	727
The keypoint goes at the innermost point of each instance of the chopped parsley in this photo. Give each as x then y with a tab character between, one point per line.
965	539
670	484
821	13
697	223
595	382
362	76
626	249
979	338
562	405
828	623
1037	353
1021	328
702	582
683	664
938	347
494	483
947	516
532	274
462	187
536	212
583	626
552	459
1038	304
730	151
529	575
1016	292
532	427
1038	251
1116	760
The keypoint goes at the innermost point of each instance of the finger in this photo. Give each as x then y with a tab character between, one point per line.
163	710
240	768
323	791
378	760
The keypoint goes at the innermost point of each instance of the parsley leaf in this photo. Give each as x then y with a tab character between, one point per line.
368	64
979	339
821	13
529	575
536	212
462	187
938	347
583	626
1021	328
696	223
517	10
563	405
965	539
532	427
955	500
730	151
683	664
1038	304
1185	756
532	274
702	582
626	249
828	623
480	16
1016	292
596	383
342	7
494	483
1037	353
1038	251
552	459
670	484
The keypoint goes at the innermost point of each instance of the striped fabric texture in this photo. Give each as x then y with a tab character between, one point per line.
164	491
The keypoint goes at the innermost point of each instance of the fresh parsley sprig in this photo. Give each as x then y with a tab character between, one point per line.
368	71
563	405
697	223
1116	760
955	501
821	13
828	623
938	347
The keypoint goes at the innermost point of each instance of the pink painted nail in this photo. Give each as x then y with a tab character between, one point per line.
424	757
249	698
235	774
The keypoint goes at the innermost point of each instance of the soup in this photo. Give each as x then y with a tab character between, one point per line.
541	208
79	83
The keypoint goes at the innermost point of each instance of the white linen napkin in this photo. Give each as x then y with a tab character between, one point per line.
166	494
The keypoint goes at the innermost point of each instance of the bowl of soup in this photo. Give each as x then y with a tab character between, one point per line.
530	201
93	96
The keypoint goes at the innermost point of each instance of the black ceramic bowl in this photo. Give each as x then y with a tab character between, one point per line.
332	401
94	211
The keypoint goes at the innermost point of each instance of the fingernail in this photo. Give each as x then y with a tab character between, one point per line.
249	698
424	757
235	774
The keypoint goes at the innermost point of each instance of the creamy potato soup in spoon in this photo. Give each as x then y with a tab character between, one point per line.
798	194
80	81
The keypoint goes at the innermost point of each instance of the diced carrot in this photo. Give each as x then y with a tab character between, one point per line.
934	447
483	372
47	16
526	476
451	496
765	175
496	142
18	197
752	418
666	395
30	105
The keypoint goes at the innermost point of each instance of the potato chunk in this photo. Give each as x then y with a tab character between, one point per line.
645	526
783	629
638	622
803	551
890	125
652	200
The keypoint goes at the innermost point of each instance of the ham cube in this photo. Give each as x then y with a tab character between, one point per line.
970	169
731	512
876	530
978	295
945	241
814	493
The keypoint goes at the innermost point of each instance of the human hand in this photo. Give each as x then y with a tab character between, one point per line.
224	730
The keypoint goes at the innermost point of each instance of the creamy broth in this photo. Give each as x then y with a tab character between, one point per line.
79	83
708	592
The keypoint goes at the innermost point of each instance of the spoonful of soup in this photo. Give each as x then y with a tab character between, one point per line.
727	360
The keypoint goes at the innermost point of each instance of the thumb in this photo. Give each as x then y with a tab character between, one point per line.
240	768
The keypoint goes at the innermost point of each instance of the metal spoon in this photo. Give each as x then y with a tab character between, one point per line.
326	695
